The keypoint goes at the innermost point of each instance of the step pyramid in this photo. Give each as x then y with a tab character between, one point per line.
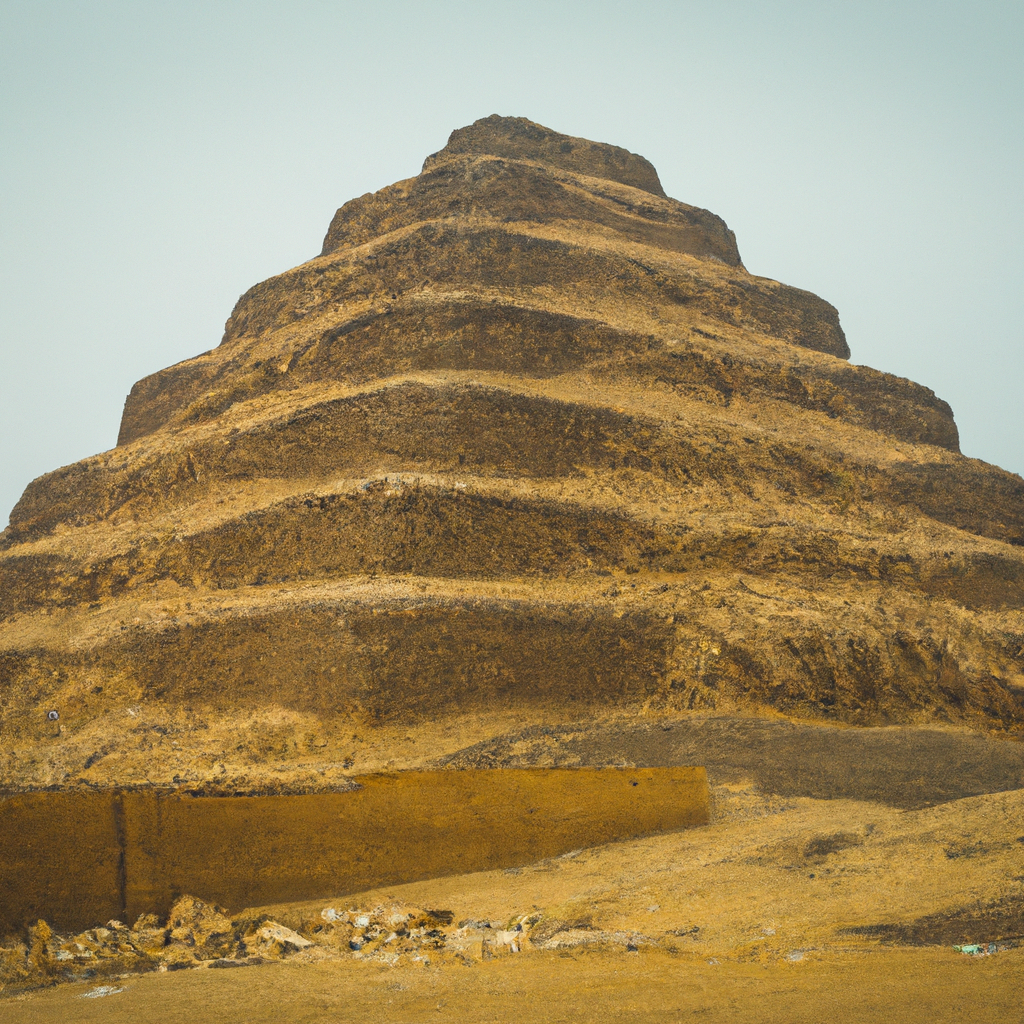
524	443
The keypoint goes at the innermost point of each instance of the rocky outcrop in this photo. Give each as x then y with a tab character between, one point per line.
524	441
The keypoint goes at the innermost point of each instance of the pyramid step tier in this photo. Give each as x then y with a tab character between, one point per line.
477	528
517	191
396	649
453	426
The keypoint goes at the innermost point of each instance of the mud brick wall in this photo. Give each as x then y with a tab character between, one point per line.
80	859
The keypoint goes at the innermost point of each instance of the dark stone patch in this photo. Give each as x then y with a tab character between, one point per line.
1001	921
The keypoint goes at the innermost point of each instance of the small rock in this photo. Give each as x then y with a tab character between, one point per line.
274	941
148	936
501	942
40	956
203	927
467	943
74	950
13	964
100	991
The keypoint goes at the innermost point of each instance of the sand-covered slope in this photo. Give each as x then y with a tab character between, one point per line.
525	443
795	910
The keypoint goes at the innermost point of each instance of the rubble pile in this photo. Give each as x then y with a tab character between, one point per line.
200	935
388	933
195	934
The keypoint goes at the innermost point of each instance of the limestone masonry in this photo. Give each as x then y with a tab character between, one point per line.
525	443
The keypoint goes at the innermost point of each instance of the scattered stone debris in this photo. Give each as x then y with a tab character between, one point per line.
195	934
200	935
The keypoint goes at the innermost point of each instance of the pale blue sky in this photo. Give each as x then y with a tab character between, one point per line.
156	159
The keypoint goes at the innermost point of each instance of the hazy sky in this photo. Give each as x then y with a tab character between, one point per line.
158	158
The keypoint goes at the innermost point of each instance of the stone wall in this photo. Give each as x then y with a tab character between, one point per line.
77	859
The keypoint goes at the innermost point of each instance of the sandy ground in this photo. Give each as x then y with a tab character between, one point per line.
893	985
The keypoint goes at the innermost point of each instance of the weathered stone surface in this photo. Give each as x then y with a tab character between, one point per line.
525	443
148	935
519	139
205	931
